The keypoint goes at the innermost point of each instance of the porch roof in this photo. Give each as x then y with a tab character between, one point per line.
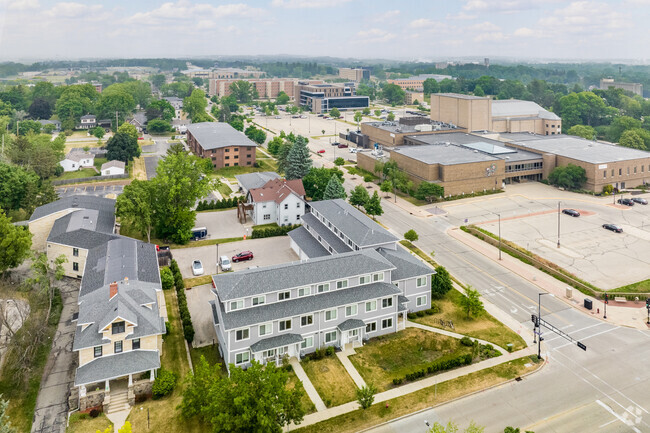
275	342
115	366
351	324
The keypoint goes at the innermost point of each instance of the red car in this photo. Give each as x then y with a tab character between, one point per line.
321	151
343	146
244	255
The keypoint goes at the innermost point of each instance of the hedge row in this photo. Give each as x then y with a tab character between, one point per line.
186	319
219	204
434	367
273	231
428	312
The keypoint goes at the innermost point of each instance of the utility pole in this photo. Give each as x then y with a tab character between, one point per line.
605	306
117	121
558	224
499	215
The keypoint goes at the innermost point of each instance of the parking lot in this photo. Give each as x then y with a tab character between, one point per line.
602	257
223	224
267	251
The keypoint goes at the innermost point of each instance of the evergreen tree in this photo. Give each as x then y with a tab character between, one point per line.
298	160
334	189
359	196
283	155
373	206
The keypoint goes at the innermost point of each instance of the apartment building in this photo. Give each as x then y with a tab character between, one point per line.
320	98
417	82
411	97
636	88
266	87
354	74
221	143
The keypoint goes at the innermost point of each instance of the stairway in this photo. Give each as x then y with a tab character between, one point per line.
119	400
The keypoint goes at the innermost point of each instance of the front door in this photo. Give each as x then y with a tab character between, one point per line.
353	335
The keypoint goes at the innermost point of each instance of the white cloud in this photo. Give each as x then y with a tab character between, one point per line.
504	6
22	5
307	4
485	26
524	32
388	15
490	37
375	36
462	16
72	10
422	23
184	10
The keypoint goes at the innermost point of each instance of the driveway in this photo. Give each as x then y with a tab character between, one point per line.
51	412
267	251
223	224
198	299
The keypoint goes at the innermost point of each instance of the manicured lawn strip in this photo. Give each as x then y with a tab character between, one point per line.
224	189
483	326
83	423
305	402
210	353
385	411
198	281
638	287
230	172
127	231
419	252
84	172
331	380
98	163
392	356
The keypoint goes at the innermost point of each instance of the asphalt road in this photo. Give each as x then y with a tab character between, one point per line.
602	389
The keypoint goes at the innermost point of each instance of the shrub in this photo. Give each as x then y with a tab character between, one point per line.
168	330
397	381
430	312
368	177
164	383
466	341
174	267
188	332
329	351
339	161
366	396
178	282
268	232
411	316
94	413
318	354
420	313
411	236
166	278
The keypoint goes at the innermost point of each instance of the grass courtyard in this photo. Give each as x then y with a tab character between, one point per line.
331	380
392	356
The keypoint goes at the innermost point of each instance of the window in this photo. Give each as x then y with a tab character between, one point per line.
350	310
227	165
268	353
620	171
267	216
284	295
634	169
298	205
286	205
248	156
118	328
285	325
604	173
248	163
118	346
236	149
421	282
75	266
306	320
227	157
307	343
386	302
236	164
330	314
98	351
330	337
297	217
371	306
421	300
265	329
227	150
364	279
135	344
241	334
628	170
259	300
612	172
642	168
236	156
304	291
241	358
371	327
323	287
236	305
378	276
341	284
75	252
387	323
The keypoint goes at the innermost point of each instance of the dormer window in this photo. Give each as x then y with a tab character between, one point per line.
118	327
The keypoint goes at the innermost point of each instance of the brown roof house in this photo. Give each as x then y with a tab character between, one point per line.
279	201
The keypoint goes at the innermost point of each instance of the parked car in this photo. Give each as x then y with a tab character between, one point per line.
613	227
625	201
303	116
321	115
278	117
197	267
224	263
572	212
199	233
343	146
353	150
244	255
335	143
639	200
321	151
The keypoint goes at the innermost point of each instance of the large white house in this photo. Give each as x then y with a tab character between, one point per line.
77	159
279	201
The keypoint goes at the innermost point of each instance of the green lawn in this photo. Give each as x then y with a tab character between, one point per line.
231	172
224	189
331	380
84	172
210	353
483	326
98	163
638	287
305	401
83	423
392	356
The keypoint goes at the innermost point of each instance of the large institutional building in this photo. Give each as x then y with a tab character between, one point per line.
417	82
354	74
320	98
636	88
223	144
266	87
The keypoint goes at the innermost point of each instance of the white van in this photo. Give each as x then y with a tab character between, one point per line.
224	262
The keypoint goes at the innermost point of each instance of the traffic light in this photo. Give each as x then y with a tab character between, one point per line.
607	302
647	303
533	318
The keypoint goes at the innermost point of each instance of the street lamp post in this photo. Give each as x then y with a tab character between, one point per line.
499	215
539	324
558	224
217	258
605	306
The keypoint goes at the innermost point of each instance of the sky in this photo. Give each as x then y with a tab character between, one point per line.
400	29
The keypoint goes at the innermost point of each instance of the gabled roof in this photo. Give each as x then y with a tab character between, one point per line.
275	342
306	242
105	206
362	230
406	266
235	285
325	233
277	190
250	181
88	116
111	164
114	366
351	324
77	156
215	135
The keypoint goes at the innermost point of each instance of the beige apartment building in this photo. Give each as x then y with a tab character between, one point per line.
266	87
417	82
354	74
411	97
636	88
476	113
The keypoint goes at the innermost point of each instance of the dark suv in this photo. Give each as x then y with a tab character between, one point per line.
244	255
625	201
572	212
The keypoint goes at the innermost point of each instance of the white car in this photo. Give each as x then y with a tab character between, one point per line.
197	267
225	264
353	150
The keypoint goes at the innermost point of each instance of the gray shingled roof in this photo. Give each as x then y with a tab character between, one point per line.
114	366
402	299
307	243
256	180
113	163
105	206
337	244
251	282
81	238
406	266
362	230
214	135
351	324
274	342
306	304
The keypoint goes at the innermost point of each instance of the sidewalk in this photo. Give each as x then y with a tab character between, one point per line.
410	324
354	374
307	385
618	315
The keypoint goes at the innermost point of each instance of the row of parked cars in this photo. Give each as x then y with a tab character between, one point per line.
224	262
608	226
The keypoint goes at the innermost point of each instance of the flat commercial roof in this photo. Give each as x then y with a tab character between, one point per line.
516	107
461	96
214	135
443	154
580	149
396	127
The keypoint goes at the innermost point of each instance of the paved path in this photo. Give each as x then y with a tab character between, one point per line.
118	418
410	324
354	374
51	413
306	383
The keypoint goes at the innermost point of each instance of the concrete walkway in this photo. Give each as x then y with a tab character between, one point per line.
354	374
306	383
118	418
410	324
414	386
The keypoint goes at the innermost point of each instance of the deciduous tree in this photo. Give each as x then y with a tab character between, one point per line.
334	112
359	196
122	147
440	283
373	206
411	235
15	244
366	396
570	176
316	180
136	206
243	91
471	302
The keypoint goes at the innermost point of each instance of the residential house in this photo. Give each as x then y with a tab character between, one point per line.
112	168
257	179
56	123
76	159
88	121
279	201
